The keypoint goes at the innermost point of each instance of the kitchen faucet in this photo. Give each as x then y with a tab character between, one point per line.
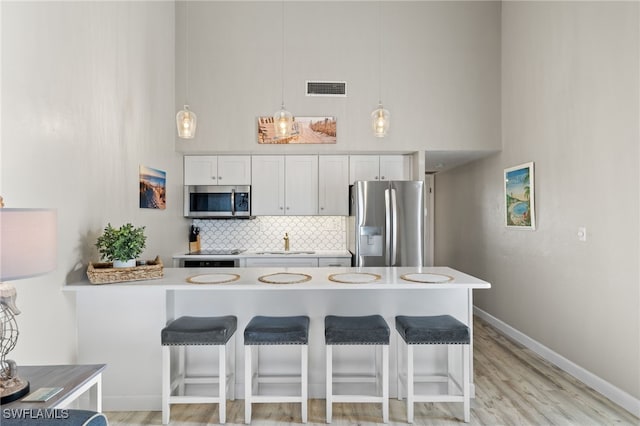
286	241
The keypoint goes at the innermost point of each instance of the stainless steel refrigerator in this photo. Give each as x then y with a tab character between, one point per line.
386	223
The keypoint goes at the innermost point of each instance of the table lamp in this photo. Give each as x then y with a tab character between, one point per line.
27	249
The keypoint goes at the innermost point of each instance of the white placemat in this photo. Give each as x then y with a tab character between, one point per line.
354	277
285	278
220	278
425	277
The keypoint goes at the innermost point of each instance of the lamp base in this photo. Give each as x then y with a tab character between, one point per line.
12	389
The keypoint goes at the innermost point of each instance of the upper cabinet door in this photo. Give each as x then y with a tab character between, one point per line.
395	167
234	170
364	167
333	185
267	185
200	170
301	185
217	170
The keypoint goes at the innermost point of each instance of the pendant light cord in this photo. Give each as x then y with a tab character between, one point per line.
380	52
282	56
186	31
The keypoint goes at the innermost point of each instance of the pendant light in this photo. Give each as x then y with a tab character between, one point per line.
186	119
380	118
283	119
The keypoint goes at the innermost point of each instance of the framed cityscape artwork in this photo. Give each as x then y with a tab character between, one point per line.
519	197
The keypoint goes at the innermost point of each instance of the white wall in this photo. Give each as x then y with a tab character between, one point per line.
570	103
440	72
87	96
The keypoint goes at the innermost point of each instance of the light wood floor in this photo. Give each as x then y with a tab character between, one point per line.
514	386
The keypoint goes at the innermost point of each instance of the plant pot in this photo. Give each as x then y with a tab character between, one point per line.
124	264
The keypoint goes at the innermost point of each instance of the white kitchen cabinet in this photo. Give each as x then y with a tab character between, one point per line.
282	262
217	170
333	185
301	183
267	185
334	261
284	185
379	167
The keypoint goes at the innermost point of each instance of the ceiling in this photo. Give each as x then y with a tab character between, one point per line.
439	161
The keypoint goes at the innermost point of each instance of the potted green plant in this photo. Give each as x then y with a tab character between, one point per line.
121	245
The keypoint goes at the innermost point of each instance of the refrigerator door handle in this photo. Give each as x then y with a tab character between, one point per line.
394	232
387	219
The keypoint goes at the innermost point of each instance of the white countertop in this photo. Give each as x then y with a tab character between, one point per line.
390	279
266	254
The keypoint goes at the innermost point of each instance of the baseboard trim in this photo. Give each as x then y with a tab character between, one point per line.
620	397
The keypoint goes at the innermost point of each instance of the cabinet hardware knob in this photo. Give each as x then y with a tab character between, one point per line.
376	178
281	208
213	177
382	178
219	177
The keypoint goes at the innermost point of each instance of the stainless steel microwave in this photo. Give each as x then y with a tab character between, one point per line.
217	201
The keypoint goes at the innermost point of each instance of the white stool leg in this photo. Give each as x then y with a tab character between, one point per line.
304	380
247	383
232	370
166	383
385	383
410	384
182	368
329	380
453	355
466	391
399	342
222	383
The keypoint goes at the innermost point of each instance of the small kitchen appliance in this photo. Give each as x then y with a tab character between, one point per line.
217	201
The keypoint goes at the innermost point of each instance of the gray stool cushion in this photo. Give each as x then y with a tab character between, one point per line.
434	330
199	331
367	330
277	331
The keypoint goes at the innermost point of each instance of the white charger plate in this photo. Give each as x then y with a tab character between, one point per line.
220	278
284	278
354	277
425	277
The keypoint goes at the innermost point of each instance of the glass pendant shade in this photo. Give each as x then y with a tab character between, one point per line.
186	121
283	123
380	121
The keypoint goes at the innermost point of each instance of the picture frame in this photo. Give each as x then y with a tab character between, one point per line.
306	130
153	188
519	197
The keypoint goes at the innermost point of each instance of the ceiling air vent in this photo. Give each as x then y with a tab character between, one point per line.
327	88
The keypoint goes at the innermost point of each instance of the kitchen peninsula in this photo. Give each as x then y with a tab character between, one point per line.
119	324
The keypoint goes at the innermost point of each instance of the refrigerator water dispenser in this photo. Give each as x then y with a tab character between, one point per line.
371	241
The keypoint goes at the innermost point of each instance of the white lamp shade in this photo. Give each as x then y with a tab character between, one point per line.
28	242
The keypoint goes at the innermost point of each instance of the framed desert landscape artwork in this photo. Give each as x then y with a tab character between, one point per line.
519	197
306	130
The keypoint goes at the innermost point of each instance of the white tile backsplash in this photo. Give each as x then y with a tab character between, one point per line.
267	233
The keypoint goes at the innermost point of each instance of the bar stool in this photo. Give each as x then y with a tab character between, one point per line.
364	330
433	330
191	331
263	330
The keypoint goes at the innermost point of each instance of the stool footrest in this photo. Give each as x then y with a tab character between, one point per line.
357	398
192	399
354	378
284	378
275	398
438	398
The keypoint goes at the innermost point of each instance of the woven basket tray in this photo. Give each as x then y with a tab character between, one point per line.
105	273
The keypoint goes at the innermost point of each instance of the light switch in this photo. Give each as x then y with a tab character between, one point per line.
582	233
